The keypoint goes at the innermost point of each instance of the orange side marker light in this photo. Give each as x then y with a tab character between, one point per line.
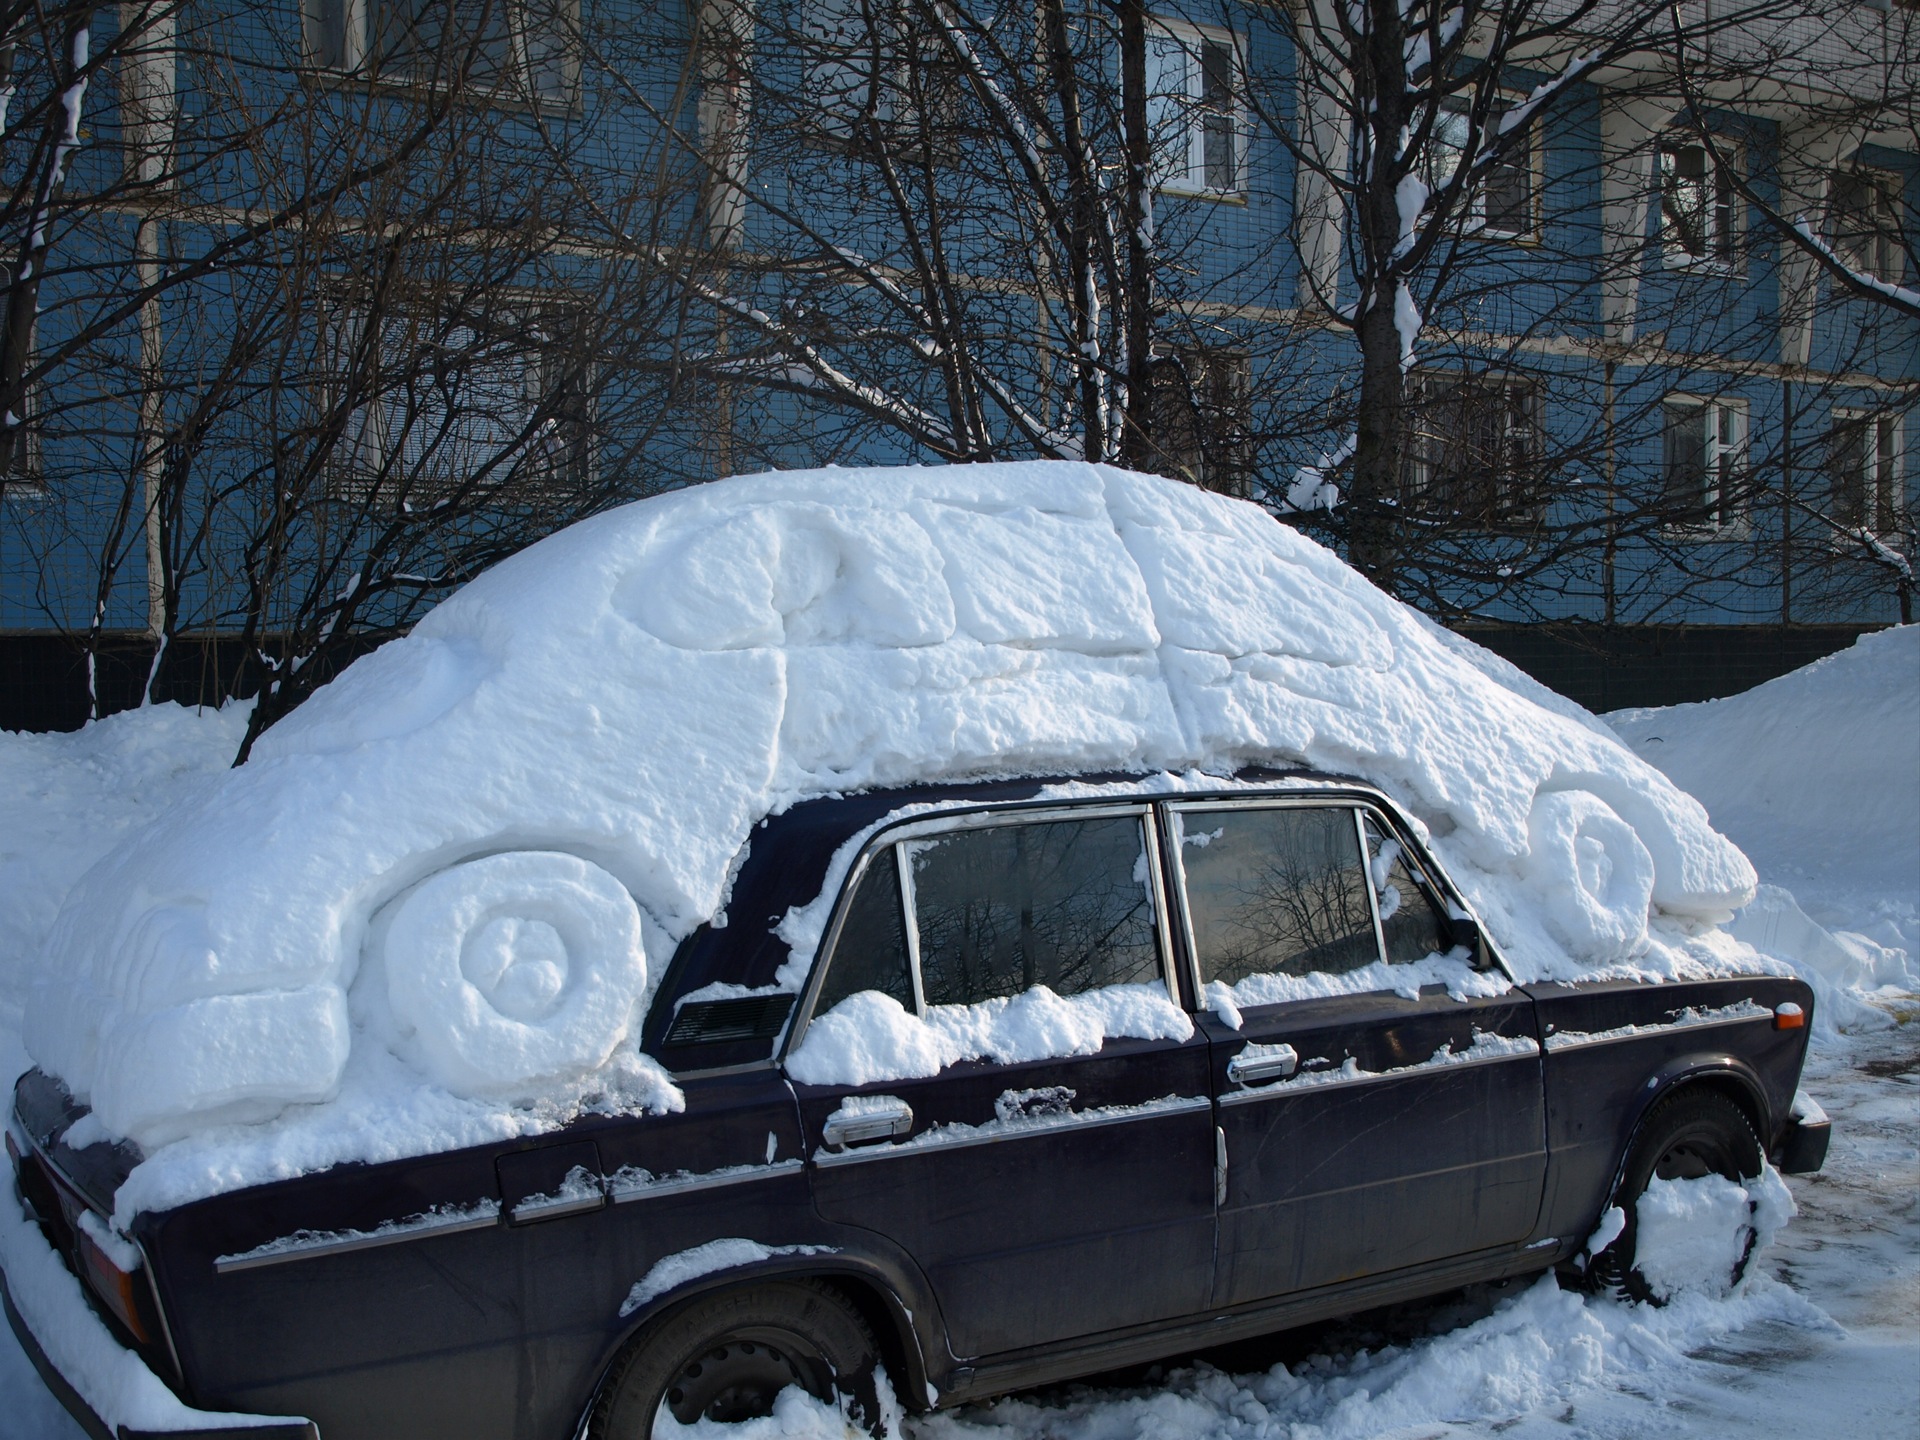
1789	1016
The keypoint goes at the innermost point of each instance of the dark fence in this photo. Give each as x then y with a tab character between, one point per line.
1619	667
43	677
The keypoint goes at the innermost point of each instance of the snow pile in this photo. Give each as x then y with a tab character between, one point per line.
869	1036
71	798
637	691
1816	775
1690	1235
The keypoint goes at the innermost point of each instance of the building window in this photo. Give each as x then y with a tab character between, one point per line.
512	47
1474	450
439	410
1199	416
873	76
1865	223
1699	211
1863	471
1703	464
1502	204
1193	109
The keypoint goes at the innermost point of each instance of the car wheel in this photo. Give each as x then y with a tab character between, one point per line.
725	1358
1689	1136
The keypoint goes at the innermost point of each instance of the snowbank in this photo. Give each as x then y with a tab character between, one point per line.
629	696
1817	776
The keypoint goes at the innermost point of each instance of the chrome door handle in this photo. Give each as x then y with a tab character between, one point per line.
879	1118
1262	1062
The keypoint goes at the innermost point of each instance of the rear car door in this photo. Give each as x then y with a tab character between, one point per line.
1057	1184
1380	1107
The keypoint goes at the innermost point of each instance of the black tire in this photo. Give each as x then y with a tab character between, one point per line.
727	1356
1688	1136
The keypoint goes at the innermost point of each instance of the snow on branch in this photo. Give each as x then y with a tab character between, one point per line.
1899	296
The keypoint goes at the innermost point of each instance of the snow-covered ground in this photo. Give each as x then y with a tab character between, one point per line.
1825	1341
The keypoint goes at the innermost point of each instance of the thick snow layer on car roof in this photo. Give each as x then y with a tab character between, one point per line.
452	875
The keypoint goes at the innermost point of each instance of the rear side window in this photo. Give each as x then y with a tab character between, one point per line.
1276	891
872	950
1410	923
1066	904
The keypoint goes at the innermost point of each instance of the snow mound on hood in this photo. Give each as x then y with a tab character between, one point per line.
628	697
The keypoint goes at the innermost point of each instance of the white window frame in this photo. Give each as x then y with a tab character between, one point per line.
1723	454
1173	172
1521	401
1723	216
356	53
1882	491
1530	157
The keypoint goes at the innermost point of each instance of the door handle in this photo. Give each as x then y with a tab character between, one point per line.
1257	1063
878	1118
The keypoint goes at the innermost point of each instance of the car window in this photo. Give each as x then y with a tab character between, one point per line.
871	953
1066	904
1410	923
1276	891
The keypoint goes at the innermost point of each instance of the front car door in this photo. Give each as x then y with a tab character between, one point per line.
1051	1184
1379	1101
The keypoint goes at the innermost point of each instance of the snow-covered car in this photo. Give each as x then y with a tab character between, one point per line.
906	935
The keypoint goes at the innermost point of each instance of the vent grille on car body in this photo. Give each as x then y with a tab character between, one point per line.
751	1017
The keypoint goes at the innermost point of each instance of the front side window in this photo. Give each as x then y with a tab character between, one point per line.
1699	209
516	47
1704	457
1193	76
1863	471
1280	891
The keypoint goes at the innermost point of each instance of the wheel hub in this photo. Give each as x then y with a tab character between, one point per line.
735	1380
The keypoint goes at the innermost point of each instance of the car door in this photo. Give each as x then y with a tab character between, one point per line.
1050	1182
1378	1107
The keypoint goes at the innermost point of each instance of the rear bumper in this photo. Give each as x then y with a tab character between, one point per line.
107	1388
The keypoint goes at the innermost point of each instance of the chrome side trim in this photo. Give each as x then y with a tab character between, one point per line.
302	1247
1308	1082
622	1193
918	1144
1579	1039
553	1207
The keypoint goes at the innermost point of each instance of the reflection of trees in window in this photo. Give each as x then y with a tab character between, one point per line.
1409	923
1276	891
871	953
1063	904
